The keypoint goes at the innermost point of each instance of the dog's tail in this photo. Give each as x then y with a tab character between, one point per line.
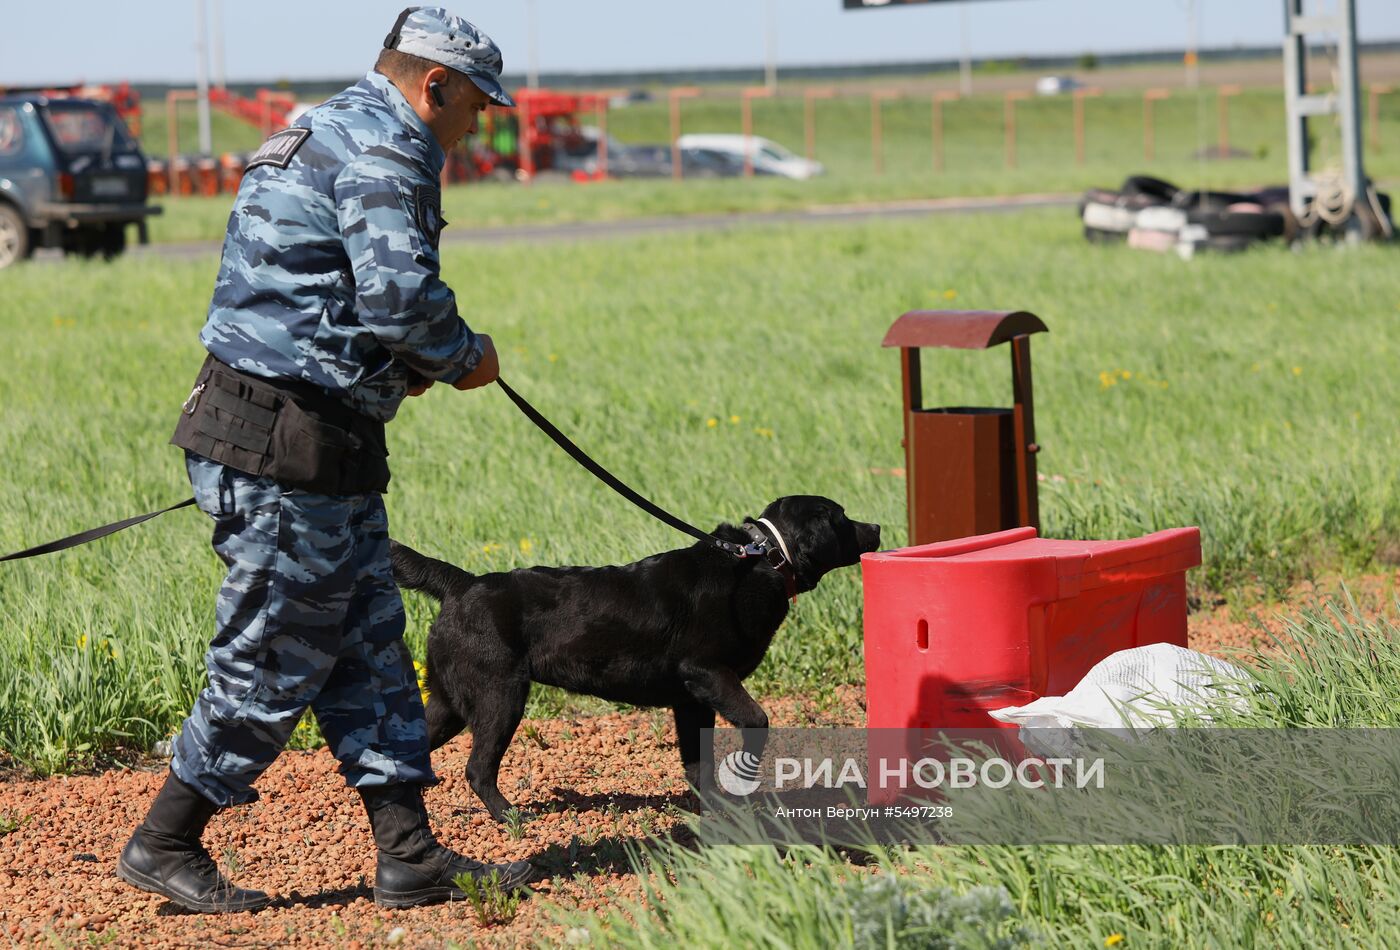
419	572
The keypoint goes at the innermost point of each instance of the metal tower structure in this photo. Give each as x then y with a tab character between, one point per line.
1332	193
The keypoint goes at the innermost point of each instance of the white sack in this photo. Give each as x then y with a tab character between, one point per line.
1139	688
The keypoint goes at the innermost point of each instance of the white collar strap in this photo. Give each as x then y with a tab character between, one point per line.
782	545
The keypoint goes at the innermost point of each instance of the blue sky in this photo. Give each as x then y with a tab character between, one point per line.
298	39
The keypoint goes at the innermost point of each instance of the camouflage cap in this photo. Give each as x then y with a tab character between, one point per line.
433	34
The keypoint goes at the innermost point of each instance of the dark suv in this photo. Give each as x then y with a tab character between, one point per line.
71	176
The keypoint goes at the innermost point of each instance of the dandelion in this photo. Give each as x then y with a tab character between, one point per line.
1126	374
82	642
553	357
1107	379
490	548
711	422
526	545
950	295
1113	940
763	431
1297	371
734	420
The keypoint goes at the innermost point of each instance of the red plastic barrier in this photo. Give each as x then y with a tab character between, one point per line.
231	168
207	175
956	628
157	177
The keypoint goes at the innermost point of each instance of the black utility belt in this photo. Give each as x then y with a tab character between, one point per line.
293	433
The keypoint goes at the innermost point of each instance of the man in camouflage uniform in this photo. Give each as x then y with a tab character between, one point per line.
328	310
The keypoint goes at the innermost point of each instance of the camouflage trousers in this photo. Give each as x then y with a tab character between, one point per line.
308	616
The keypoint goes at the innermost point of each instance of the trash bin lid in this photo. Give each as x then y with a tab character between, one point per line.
961	329
1078	565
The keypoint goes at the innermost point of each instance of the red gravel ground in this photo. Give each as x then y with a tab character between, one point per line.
589	787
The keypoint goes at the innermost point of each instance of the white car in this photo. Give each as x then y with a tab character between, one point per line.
1055	85
768	156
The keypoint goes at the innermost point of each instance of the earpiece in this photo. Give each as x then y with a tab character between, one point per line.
435	90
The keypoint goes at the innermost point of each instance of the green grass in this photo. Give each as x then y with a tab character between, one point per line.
975	162
1258	407
1335	670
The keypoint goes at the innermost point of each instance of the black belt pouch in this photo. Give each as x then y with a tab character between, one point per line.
293	433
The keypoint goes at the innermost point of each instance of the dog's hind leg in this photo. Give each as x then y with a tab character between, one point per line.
496	713
691	718
443	721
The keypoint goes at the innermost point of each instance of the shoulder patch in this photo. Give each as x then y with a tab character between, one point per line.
427	205
278	150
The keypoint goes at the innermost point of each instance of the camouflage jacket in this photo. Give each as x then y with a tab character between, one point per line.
330	264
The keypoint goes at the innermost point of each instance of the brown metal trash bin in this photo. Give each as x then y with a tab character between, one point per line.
969	470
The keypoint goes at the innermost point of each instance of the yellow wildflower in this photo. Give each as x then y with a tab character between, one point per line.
526	545
1107	379
711	422
490	548
553	357
1297	371
950	295
1113	940
765	432
734	420
1126	374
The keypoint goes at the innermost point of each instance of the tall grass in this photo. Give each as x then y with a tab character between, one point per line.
1334	670
1249	395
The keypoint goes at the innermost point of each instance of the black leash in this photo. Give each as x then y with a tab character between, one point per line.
616	484
758	547
92	534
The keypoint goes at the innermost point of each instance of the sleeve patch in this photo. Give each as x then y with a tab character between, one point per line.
278	150
427	203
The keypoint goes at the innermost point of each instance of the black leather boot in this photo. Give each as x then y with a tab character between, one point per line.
164	855
413	868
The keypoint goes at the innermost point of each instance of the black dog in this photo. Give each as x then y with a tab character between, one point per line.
681	629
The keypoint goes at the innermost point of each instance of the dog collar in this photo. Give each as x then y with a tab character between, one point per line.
777	556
